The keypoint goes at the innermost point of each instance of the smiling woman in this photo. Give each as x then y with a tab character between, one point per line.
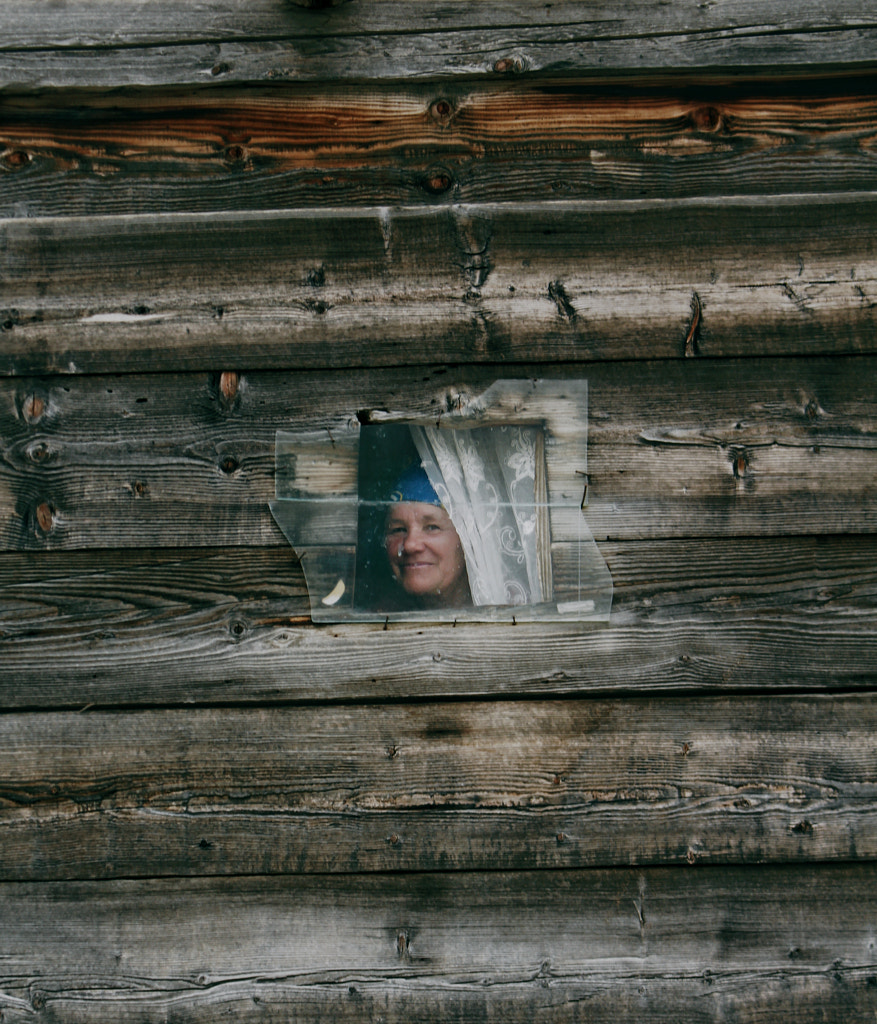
423	547
458	524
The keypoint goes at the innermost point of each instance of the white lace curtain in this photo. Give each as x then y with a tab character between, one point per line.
486	479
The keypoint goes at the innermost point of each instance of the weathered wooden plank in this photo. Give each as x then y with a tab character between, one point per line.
697	491
701	945
678	448
112	44
83	23
455	786
503	284
93	153
121	628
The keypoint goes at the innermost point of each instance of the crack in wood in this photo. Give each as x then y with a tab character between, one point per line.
565	308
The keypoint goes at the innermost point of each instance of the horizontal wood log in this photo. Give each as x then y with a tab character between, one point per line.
679	448
120	628
481	283
437	787
96	153
83	23
112	44
691	946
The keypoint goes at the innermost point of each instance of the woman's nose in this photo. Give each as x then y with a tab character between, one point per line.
413	540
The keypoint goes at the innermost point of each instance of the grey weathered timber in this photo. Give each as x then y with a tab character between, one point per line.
87	152
81	24
688	945
456	786
156	43
676	448
227	218
468	284
121	628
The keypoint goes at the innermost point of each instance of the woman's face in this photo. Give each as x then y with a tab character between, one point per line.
425	553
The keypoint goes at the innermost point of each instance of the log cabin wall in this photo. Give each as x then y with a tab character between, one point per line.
222	219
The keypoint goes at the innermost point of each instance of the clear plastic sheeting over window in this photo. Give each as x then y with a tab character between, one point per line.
478	514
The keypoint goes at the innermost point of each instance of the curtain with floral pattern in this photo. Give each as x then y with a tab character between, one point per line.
486	479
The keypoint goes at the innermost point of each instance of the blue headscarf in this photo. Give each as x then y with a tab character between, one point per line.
414	485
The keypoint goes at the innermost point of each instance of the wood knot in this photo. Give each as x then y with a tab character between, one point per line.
15	159
437	180
740	464
316	277
693	334
9	318
229	382
508	65
441	111
226	388
39	452
237	628
235	154
45	517
706	119
33	407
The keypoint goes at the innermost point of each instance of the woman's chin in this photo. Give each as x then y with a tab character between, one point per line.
421	589
438	597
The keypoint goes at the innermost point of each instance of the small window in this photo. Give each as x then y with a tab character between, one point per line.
476	515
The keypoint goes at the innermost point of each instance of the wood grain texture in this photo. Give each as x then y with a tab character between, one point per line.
692	946
86	153
83	23
152	43
222	219
470	284
676	448
461	786
122	628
